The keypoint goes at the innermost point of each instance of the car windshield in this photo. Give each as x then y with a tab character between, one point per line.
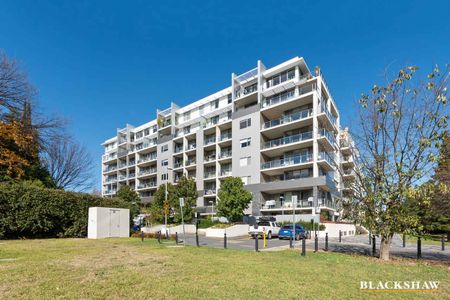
287	227
290	227
264	224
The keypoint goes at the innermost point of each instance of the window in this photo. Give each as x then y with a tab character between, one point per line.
229	98
245	142
164	162
187	116
245	179
165	176
164	148
244	161
155	128
146	131
281	77
215	104
245	123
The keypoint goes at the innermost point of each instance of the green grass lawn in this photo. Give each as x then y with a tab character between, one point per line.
429	239
127	268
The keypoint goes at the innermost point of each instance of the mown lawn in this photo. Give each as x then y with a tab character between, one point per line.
127	268
429	239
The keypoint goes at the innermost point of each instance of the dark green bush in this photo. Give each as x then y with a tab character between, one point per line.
33	212
206	223
306	225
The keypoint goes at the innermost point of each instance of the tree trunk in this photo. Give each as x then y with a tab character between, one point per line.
448	236
385	246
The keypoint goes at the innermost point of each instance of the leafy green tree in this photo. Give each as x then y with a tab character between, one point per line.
159	198
187	189
400	129
129	195
233	199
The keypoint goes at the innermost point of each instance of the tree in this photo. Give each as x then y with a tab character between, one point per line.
69	164
441	200
233	199
187	189
129	195
159	199
400	129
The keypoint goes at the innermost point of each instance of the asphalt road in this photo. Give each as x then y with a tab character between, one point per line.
353	244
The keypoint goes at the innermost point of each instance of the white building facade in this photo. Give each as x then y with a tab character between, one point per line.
278	129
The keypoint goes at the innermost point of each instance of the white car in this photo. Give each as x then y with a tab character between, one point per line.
269	227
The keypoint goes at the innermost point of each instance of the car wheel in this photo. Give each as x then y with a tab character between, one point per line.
269	235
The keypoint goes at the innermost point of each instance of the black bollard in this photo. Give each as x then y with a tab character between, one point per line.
404	240
374	246
290	241
340	236
303	247
316	243
419	247
142	236
225	241
196	239
443	243
256	243
326	241
370	238
159	237
176	238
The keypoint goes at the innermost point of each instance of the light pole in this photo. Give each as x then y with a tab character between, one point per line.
166	203
212	209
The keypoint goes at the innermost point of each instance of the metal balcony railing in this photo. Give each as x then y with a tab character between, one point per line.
286	96
288	140
331	117
329	157
147	172
210	191
327	134
191	147
288	161
210	174
210	140
210	157
225	154
225	136
289	118
277	204
190	162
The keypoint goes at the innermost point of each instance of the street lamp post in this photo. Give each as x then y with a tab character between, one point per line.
166	203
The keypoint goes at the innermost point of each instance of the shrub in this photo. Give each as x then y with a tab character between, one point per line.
206	223
152	235
28	211
306	225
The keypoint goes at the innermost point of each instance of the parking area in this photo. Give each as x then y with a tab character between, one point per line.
351	244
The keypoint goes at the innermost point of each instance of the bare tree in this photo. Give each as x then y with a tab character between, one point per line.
400	129
14	86
69	164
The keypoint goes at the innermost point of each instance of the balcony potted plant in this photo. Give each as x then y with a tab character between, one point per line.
317	70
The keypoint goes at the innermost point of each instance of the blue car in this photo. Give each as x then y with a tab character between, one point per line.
287	231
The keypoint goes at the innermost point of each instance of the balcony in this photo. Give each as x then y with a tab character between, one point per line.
190	162
108	157
225	173
331	118
109	192
288	140
225	154
210	140
122	165
191	147
110	180
282	205
146	159
286	162
132	175
211	157
122	177
109	169
225	136
329	136
287	96
210	192
145	145
209	175
147	185
287	177
178	149
247	91
147	172
326	160
178	164
288	119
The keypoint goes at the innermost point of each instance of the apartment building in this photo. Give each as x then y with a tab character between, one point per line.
278	129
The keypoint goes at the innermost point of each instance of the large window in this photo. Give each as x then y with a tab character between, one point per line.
245	123
164	148
164	162
281	77
246	179
245	142
164	176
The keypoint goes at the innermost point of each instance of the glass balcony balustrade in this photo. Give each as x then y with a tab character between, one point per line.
303	114
288	161
288	140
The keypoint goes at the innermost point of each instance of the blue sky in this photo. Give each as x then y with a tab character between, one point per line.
103	64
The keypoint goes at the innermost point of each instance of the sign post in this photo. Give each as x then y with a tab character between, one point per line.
182	220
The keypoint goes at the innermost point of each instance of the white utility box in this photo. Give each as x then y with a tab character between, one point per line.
105	222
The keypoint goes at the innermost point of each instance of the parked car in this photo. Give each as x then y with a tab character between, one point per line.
271	229
287	231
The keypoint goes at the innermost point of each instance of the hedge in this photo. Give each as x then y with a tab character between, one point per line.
34	212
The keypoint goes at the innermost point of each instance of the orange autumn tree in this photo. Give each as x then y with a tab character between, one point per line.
15	149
